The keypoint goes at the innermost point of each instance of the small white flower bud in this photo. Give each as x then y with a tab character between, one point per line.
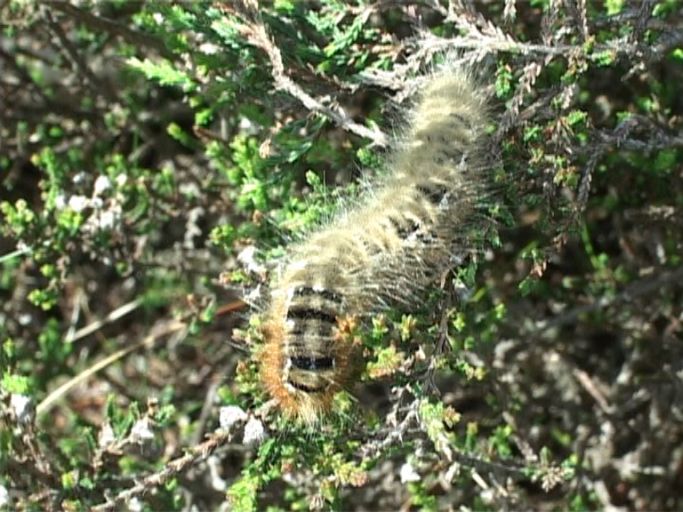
229	415
254	433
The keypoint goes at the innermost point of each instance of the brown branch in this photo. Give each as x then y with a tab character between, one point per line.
56	30
257	34
506	43
634	290
99	23
194	455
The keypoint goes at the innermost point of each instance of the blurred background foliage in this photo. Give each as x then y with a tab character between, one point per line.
155	160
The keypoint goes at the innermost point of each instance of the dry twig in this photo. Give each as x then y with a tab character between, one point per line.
194	455
257	34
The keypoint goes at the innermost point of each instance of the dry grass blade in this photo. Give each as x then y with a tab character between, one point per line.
166	328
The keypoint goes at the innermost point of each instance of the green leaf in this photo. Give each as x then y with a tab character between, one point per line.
16	384
163	72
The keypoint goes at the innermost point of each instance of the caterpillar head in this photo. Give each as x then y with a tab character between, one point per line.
300	376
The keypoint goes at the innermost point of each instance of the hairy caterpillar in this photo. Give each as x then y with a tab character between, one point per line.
384	250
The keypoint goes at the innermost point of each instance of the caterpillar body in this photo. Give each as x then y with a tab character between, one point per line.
384	250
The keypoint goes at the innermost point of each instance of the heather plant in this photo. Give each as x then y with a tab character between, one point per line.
157	159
